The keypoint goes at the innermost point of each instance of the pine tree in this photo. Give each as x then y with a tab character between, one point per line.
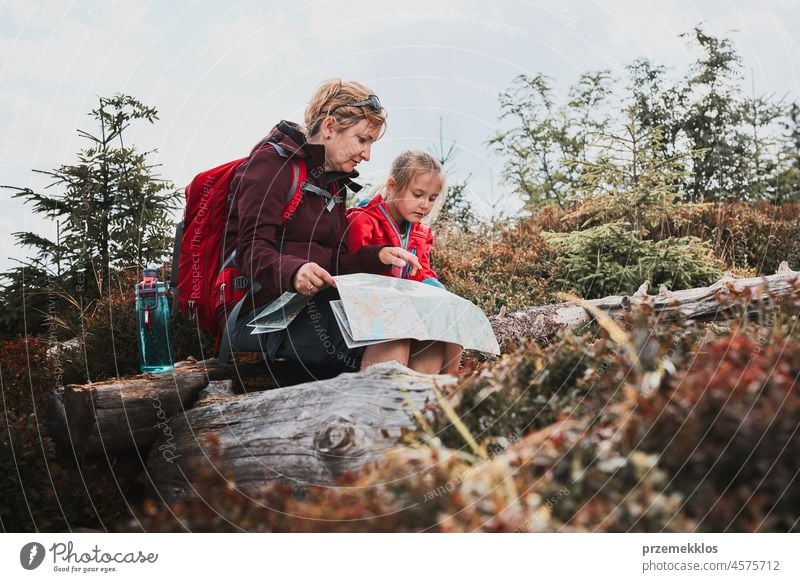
624	234
111	210
725	140
784	184
630	181
547	141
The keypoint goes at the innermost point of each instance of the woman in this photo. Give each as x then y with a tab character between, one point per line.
301	253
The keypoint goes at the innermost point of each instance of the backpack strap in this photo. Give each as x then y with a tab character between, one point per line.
291	201
279	149
295	193
332	199
293	196
299	185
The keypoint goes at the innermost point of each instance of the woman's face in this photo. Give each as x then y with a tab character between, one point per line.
346	148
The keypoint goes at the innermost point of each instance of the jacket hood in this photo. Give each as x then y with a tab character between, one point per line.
371	203
371	207
290	136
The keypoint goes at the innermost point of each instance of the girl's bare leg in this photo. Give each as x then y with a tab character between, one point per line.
452	359
426	357
377	353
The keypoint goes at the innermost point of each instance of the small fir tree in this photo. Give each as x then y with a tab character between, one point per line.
624	234
112	213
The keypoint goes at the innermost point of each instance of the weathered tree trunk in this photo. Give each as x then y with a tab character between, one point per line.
121	415
700	304
305	434
116	416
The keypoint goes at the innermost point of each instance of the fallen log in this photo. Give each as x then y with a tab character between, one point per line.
699	304
122	415
306	434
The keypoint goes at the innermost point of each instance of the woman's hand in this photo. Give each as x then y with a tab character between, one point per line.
398	257
311	278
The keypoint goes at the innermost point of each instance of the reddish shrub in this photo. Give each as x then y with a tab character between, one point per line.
746	236
726	432
27	376
507	266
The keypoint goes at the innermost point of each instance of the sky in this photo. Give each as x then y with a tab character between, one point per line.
222	74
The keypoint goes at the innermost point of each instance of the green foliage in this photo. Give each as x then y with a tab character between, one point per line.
545	142
784	184
111	212
723	144
612	260
732	135
456	210
629	180
631	195
27	294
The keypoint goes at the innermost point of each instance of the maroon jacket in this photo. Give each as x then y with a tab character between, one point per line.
271	254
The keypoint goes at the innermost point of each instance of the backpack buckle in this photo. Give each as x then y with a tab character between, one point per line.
192	308
241	282
333	199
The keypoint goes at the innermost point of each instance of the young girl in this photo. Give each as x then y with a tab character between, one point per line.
413	192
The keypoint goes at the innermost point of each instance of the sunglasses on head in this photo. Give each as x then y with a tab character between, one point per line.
372	102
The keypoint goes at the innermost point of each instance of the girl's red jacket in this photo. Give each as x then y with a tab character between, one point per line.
372	224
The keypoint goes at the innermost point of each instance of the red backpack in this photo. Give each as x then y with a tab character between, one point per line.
202	279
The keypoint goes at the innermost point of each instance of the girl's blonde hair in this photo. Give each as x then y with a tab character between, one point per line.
407	165
336	94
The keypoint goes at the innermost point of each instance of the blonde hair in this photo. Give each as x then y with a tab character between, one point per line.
407	165
336	94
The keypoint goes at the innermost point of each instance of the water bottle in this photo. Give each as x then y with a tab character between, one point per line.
153	323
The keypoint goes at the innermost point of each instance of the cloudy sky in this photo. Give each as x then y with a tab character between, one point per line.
221	74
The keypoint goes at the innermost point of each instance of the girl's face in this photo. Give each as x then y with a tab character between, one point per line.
415	201
346	148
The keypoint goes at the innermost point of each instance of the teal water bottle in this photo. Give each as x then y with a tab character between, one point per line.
153	323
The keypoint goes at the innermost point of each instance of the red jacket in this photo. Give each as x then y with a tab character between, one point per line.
271	254
373	225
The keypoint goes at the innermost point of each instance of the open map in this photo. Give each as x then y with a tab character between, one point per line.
278	314
375	309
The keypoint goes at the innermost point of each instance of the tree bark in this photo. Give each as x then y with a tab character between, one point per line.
121	415
118	416
306	434
699	304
